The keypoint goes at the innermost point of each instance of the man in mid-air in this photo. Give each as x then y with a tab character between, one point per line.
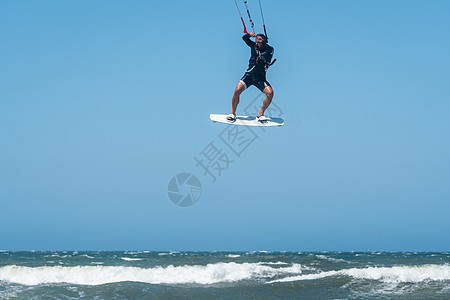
260	60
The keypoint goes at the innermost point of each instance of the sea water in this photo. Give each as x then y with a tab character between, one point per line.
223	275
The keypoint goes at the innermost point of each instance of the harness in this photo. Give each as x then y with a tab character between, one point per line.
259	55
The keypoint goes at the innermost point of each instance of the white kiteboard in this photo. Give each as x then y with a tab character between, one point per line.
247	121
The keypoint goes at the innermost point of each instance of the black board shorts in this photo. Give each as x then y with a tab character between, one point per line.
250	78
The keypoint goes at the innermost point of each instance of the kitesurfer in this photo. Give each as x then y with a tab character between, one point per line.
260	60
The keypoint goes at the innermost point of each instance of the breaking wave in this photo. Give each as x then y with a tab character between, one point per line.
397	274
131	259
96	275
268	272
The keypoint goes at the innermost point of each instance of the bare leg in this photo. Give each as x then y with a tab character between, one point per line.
235	100
269	95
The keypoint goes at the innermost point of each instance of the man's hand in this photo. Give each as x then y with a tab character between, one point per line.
252	34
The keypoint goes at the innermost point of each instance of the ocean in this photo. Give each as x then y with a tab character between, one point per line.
223	275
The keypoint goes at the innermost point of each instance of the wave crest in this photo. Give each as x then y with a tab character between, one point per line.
96	275
397	274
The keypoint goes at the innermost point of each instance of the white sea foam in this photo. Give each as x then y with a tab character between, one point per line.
53	255
398	274
332	259
58	256
233	255
169	253
131	259
275	263
95	275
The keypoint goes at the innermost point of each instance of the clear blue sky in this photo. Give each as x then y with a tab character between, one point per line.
102	102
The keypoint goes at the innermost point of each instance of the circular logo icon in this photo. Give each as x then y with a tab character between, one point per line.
184	190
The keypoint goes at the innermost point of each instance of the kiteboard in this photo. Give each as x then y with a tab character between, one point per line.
247	120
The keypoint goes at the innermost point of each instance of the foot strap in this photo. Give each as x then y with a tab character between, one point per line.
261	119
231	117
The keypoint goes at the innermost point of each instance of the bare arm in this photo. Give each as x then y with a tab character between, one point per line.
247	40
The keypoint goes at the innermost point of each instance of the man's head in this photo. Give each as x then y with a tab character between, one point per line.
260	39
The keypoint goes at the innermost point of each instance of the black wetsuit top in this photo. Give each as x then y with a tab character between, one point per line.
260	59
257	65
